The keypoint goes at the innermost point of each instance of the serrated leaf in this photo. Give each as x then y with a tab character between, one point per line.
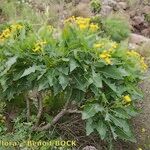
90	110
113	131
80	83
63	70
122	123
107	116
89	127
111	85
73	65
97	80
112	72
120	113
101	129
125	135
43	85
11	61
56	87
63	80
131	111
29	71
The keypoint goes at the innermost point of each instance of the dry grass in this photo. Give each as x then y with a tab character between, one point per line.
74	129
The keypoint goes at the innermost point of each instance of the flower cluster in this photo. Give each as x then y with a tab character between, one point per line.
5	34
83	23
16	26
39	46
110	47
144	66
107	50
9	31
106	56
134	54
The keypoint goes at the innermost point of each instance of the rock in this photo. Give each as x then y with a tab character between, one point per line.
122	5
111	3
84	1
89	148
137	20
146	32
138	39
106	10
133	46
146	10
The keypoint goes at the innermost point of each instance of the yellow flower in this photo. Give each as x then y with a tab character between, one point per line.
16	26
5	34
82	23
71	19
50	28
99	45
83	26
143	130
39	46
144	66
94	27
139	148
105	55
133	54
114	45
127	99
108	61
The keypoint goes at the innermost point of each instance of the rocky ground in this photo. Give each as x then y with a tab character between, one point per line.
137	13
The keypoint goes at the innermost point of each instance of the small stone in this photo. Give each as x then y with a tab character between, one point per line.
138	20
146	10
111	3
122	5
133	46
89	148
138	39
106	10
146	32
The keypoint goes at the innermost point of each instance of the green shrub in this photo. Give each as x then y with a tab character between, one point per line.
77	65
95	6
116	27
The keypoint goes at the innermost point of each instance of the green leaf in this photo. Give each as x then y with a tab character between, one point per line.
63	70
89	127
73	65
122	123
111	85
131	111
101	129
63	80
113	131
107	116
77	95
90	110
50	76
97	80
112	72
121	113
125	135
43	85
29	71
80	82
11	61
56	87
